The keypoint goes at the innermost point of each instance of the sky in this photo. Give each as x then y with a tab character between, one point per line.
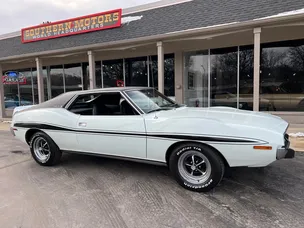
17	14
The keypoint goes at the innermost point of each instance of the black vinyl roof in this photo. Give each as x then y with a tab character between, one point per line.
63	99
183	16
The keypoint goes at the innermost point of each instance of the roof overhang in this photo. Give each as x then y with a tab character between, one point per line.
264	22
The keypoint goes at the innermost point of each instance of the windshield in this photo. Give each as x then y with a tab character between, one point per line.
150	100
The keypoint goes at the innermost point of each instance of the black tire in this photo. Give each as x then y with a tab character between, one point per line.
214	173
54	151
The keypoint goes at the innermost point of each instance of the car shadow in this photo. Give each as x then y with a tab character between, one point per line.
70	160
267	179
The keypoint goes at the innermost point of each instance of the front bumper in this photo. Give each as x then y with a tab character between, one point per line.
285	152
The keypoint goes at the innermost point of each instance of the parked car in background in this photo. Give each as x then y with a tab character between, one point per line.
12	101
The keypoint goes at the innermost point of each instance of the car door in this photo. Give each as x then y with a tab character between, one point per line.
116	135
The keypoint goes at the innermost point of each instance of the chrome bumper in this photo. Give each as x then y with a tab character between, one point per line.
285	152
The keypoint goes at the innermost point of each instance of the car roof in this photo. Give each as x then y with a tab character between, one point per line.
61	100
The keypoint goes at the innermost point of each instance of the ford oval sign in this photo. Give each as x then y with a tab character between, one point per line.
13	77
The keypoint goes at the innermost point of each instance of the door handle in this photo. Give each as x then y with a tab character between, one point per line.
82	124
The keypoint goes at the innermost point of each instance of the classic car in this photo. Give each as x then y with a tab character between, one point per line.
143	125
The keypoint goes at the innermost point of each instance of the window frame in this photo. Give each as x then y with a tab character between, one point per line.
74	100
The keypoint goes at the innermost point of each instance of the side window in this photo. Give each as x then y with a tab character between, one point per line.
101	104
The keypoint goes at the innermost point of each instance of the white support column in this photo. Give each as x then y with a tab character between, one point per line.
179	77
92	71
2	104
161	67
40	80
256	71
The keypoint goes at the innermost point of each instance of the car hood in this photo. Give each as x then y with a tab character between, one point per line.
230	117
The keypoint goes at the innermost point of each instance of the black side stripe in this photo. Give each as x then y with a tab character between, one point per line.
202	138
181	137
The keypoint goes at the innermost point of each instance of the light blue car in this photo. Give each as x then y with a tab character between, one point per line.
13	101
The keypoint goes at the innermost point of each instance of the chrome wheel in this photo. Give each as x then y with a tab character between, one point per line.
41	149
194	167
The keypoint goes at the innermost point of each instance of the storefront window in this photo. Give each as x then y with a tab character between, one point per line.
282	75
112	73
196	79
246	78
26	88
85	75
98	74
224	77
35	84
136	71
11	89
56	80
17	88
168	73
73	77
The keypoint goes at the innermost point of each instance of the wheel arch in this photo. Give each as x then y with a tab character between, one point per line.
29	134
175	145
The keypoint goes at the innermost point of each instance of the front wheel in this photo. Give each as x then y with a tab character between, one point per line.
196	167
44	150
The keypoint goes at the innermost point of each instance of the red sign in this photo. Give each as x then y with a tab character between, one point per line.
119	83
90	23
13	78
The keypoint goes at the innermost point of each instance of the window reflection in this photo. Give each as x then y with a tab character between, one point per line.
85	75
45	84
224	77
282	71
17	88
246	78
169	74
11	95
98	74
73	77
26	89
136	71
112	72
56	80
35	86
196	79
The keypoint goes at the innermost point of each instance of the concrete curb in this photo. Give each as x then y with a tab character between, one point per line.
5	119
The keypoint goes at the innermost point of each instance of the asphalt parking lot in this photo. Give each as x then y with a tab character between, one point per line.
95	192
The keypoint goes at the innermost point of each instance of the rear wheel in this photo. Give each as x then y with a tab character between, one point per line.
44	150
196	167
